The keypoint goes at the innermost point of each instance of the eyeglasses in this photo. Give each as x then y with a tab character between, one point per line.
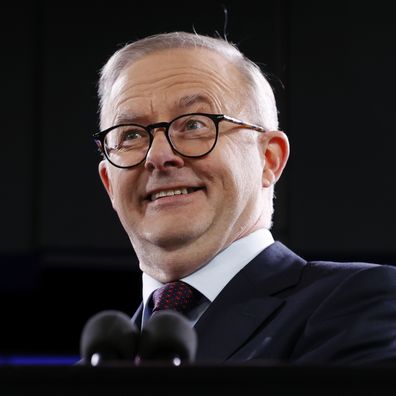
190	135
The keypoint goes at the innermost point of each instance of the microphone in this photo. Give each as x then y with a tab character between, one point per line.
168	337
108	336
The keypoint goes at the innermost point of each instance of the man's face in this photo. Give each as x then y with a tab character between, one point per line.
174	235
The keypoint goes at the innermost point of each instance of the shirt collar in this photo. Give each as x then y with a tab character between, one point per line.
211	278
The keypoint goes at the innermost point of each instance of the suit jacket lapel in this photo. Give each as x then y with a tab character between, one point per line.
247	302
137	316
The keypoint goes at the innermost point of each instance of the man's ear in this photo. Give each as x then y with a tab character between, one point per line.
104	176
276	151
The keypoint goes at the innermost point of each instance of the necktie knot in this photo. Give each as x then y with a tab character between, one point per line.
178	296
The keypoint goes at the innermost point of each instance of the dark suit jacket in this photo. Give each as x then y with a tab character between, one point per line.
281	308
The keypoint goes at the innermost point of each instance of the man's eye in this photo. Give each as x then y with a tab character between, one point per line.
133	134
193	124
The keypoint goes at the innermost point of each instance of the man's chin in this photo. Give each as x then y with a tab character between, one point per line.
173	235
170	241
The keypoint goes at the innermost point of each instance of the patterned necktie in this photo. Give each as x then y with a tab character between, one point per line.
178	296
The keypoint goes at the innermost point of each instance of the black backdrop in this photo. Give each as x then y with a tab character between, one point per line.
64	255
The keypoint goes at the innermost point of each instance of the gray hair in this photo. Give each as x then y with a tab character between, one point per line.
263	101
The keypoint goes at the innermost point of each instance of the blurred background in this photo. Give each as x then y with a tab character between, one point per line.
63	253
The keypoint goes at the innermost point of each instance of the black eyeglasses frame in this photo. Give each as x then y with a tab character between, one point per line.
216	118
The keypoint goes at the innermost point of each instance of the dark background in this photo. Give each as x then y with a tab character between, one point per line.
63	253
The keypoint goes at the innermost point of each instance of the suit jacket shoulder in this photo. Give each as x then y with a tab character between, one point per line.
281	307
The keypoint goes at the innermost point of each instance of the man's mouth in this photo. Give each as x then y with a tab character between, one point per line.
169	193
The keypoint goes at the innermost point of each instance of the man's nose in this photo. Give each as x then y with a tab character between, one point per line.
161	155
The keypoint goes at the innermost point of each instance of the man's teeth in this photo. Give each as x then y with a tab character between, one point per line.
168	193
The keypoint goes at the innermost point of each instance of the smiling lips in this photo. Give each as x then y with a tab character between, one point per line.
169	193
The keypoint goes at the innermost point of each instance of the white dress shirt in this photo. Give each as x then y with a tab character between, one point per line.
213	277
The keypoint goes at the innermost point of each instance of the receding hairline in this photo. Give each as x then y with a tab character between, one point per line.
134	51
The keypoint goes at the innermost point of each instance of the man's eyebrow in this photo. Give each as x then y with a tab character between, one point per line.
190	100
127	118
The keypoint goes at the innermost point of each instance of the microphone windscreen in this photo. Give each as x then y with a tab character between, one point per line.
110	335
167	335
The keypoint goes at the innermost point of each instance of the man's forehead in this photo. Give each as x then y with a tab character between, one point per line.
185	77
177	63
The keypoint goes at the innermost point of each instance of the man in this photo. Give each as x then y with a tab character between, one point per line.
192	151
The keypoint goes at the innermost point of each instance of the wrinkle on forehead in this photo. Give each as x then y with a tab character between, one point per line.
125	86
186	104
